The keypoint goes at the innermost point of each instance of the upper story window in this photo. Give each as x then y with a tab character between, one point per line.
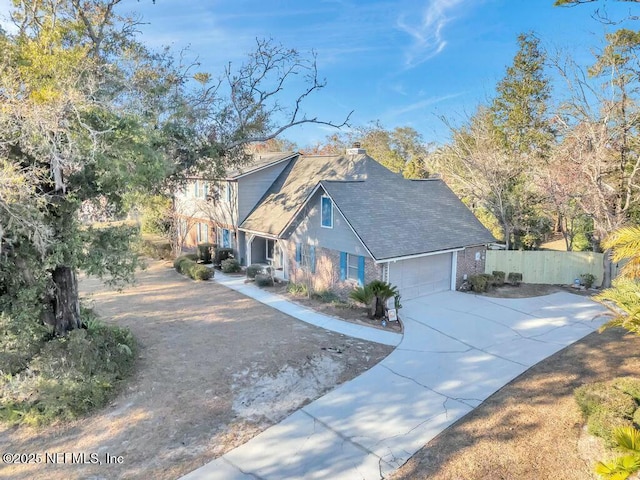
200	189
326	212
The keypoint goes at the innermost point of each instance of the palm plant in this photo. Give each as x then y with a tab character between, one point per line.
365	296
623	302
383	291
623	299
374	295
625	244
627	440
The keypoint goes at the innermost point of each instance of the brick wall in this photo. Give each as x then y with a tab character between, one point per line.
327	274
467	263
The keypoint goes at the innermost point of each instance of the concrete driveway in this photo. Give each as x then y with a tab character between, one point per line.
457	350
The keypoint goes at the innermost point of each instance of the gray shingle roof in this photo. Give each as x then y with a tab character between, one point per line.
406	217
257	162
291	189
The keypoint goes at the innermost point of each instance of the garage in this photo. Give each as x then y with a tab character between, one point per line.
421	276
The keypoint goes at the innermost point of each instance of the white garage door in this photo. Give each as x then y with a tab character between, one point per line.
421	276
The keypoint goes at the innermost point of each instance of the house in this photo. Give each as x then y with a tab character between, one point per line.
343	220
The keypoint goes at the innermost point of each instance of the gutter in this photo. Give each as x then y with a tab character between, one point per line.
418	255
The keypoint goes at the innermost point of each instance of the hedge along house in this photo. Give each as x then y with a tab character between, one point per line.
338	221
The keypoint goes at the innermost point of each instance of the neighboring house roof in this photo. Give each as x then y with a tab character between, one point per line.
259	162
406	217
290	191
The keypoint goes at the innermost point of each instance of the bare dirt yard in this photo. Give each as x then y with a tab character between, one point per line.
215	368
531	429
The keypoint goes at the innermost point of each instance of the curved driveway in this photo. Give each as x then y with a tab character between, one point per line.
457	350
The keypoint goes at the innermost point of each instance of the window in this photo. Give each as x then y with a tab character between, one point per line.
352	266
227	192
196	189
203	233
326	212
270	245
226	238
306	257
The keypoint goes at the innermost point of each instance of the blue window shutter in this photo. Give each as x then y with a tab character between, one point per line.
195	189
361	271
343	266
312	258
298	252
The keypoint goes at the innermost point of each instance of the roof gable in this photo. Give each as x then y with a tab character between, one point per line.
406	217
294	185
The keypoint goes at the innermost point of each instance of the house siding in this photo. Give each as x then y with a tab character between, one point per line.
253	187
340	237
327	271
467	263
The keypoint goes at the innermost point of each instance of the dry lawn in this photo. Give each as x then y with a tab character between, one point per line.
531	429
215	369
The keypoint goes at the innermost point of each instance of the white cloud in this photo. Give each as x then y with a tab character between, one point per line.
427	33
421	104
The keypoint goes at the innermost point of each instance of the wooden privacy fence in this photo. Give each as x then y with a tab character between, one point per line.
549	267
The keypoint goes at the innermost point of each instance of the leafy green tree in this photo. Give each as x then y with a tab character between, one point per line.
520	107
401	150
492	160
90	115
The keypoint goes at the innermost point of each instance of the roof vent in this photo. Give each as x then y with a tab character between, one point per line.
356	150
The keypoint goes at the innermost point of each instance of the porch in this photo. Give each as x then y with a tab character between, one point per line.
267	251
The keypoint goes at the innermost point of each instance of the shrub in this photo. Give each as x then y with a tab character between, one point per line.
605	408
200	272
478	283
69	376
231	265
254	269
264	280
19	342
297	289
156	249
187	256
628	385
182	263
514	278
326	296
602	423
587	279
204	252
498	278
222	254
490	279
636	417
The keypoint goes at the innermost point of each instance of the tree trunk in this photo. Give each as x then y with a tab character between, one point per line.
606	269
66	303
507	236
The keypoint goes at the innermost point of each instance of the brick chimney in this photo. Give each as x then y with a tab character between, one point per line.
356	149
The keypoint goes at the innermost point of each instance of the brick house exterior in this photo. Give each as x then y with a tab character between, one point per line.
326	276
468	264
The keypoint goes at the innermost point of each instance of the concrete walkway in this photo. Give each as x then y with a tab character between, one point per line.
307	315
457	350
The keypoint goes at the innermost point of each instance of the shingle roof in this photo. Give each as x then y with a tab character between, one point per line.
258	162
406	217
291	189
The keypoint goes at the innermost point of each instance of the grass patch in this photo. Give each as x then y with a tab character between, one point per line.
63	378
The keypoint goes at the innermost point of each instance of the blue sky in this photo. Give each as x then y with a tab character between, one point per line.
402	62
